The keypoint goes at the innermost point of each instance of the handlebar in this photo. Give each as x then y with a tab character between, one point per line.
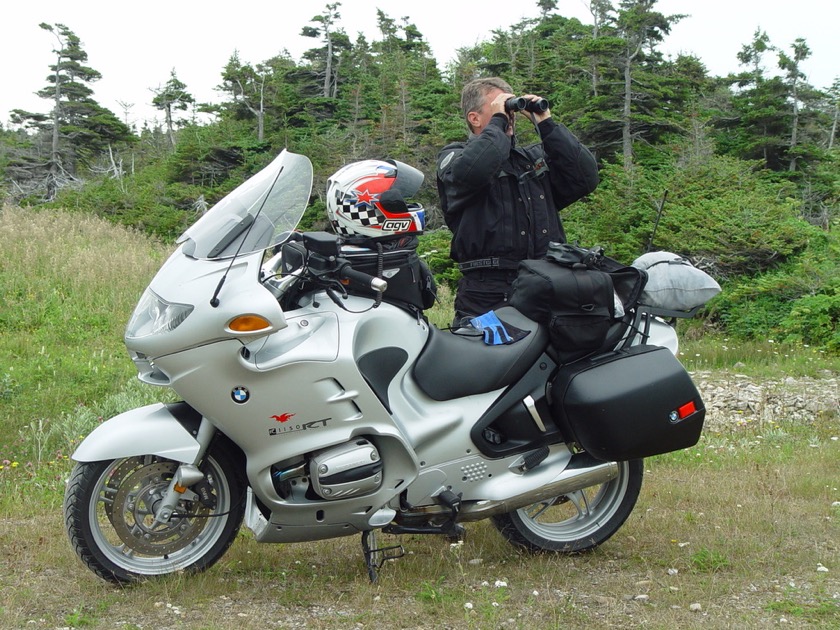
346	272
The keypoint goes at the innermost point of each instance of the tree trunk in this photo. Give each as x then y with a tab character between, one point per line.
626	135
170	131
328	67
795	130
55	155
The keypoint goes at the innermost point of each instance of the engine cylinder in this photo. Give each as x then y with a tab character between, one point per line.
346	470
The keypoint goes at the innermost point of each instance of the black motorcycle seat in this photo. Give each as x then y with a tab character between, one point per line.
455	365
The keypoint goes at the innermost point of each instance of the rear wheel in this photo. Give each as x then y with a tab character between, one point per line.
577	521
110	507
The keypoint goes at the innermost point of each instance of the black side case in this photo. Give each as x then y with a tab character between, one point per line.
628	404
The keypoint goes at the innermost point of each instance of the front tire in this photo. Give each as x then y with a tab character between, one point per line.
578	521
109	511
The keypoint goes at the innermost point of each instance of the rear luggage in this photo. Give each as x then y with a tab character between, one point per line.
628	404
578	293
577	305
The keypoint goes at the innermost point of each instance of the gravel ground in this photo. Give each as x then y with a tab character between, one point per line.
736	399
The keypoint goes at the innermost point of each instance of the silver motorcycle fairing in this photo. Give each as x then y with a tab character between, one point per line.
193	281
306	393
149	430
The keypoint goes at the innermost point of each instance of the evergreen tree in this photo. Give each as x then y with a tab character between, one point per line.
170	98
833	100
794	79
641	28
78	128
247	88
325	61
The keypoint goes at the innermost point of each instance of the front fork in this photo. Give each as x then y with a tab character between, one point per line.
187	475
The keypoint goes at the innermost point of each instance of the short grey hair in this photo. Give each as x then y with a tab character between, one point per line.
474	92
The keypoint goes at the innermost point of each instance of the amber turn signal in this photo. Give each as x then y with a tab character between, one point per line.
249	323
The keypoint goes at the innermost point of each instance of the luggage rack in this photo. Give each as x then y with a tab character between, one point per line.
640	323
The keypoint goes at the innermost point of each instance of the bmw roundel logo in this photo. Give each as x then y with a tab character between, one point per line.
240	395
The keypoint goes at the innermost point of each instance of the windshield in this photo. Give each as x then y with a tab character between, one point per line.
254	215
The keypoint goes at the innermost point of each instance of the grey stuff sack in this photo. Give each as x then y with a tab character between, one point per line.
674	283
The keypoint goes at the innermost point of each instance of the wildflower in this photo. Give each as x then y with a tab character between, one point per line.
468	606
500	584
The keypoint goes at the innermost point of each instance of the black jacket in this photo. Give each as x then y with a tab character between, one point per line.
494	203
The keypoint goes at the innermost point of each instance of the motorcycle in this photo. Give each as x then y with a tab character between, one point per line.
312	408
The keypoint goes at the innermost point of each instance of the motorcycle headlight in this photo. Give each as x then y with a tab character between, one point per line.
155	315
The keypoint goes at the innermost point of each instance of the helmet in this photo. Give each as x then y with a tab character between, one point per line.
368	198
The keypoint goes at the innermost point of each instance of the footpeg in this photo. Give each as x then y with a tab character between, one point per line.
535	458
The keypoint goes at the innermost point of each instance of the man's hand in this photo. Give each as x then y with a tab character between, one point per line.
497	105
539	116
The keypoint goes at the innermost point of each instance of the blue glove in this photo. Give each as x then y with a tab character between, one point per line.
494	330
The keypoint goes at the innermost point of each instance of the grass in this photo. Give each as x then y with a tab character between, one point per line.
740	531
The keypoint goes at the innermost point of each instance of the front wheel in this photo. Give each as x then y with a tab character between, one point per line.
578	521
110	507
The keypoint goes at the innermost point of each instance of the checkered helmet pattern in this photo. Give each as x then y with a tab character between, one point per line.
369	198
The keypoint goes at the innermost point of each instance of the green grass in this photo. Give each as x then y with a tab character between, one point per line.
728	534
766	359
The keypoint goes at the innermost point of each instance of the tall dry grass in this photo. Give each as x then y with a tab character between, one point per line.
68	284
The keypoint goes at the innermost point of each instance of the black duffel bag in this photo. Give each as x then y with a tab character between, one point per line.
573	292
577	305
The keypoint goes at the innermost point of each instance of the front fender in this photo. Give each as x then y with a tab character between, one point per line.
150	430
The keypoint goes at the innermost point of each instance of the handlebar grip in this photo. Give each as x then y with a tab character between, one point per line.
346	272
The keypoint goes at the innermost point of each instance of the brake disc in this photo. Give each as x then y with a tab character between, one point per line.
139	496
115	481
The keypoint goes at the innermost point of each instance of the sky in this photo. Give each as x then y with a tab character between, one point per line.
136	48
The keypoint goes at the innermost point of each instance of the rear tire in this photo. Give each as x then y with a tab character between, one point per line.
109	514
578	521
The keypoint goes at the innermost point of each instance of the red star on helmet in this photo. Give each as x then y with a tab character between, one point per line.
366	197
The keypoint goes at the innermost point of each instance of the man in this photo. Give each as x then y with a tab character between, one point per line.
502	201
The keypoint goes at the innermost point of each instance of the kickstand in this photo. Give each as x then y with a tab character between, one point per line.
375	556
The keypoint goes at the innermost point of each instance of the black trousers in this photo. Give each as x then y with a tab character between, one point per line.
481	291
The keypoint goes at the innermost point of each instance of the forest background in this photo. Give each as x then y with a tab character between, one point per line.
738	173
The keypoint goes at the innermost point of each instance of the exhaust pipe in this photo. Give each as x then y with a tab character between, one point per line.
583	471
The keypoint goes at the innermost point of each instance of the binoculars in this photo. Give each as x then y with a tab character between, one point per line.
518	103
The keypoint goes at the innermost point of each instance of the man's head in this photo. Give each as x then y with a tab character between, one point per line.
477	98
